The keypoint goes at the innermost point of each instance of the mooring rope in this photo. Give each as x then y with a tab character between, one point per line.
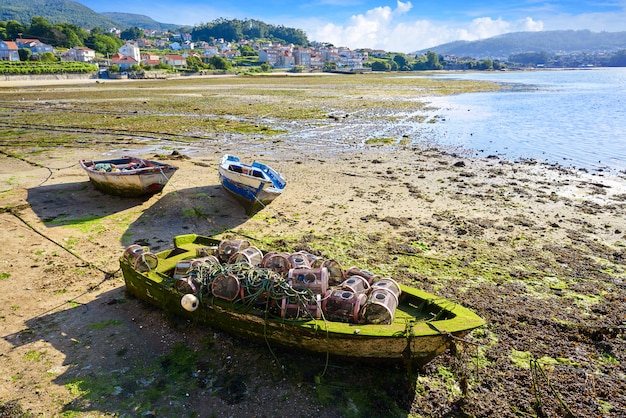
14	212
107	274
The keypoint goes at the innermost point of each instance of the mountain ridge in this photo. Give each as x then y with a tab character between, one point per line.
553	42
140	21
54	11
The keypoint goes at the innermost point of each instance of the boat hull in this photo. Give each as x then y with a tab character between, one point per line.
146	181
403	340
252	192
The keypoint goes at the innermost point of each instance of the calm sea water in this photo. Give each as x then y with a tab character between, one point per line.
572	117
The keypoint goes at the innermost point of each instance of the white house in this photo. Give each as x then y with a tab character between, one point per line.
123	61
150	59
80	54
302	56
174	60
210	51
130	49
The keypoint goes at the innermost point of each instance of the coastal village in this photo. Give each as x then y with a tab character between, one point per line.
136	51
178	47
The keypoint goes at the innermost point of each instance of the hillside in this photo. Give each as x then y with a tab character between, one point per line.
55	11
566	42
140	21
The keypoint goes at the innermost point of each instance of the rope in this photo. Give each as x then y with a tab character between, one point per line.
266	286
107	275
537	372
89	290
36	165
14	212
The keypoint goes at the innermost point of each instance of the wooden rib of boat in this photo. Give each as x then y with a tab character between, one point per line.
254	185
128	176
192	280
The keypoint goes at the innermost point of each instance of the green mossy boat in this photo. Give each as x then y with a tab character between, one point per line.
302	307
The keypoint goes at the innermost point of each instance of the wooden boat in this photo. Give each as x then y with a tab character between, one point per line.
128	176
254	186
276	306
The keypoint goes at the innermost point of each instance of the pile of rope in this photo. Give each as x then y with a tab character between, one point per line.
250	286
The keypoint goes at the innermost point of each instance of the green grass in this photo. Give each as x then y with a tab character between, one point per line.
34	356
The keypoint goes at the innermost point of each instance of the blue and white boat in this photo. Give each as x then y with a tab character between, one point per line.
254	186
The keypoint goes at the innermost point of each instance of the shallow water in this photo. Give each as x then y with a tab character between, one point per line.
571	117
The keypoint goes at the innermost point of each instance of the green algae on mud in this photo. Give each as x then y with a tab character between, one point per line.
210	107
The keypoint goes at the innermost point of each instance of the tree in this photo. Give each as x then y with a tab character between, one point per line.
104	44
195	64
401	60
25	54
381	66
74	35
486	64
219	63
330	66
247	51
14	29
47	57
618	59
432	61
229	30
530	58
41	29
236	30
132	33
420	64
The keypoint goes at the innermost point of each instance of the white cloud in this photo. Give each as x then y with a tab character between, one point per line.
485	27
373	29
389	29
530	25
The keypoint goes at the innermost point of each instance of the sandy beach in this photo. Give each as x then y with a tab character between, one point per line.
538	250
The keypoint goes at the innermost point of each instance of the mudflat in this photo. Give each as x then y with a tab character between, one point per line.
536	249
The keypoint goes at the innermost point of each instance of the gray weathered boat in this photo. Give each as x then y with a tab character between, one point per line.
295	300
128	176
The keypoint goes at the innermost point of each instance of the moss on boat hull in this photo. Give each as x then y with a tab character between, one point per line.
409	337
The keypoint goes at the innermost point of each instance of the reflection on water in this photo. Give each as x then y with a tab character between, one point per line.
570	117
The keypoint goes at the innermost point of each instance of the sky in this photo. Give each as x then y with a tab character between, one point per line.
390	25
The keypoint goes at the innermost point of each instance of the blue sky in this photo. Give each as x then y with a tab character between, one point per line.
398	26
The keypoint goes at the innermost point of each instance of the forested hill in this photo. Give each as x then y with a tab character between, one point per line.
236	29
54	11
141	21
69	11
72	12
564	41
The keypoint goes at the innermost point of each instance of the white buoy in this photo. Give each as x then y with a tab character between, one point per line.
189	302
